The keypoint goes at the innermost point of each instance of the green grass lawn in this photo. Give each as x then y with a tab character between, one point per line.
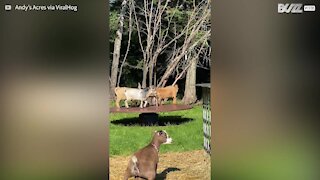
127	135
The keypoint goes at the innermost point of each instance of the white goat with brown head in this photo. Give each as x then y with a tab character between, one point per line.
139	94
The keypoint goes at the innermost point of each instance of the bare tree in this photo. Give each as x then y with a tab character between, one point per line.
117	47
190	83
192	39
190	95
200	59
128	45
156	34
154	37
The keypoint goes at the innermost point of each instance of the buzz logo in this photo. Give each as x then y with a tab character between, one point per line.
290	8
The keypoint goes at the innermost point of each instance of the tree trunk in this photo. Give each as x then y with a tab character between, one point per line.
150	76
116	49
155	76
144	76
190	85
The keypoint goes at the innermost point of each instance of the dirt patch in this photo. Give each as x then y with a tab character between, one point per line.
172	166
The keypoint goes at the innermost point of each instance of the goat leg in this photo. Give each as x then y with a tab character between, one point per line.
145	103
175	100
156	99
160	101
127	175
118	103
126	103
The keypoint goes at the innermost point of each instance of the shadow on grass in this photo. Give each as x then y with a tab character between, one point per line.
162	121
163	174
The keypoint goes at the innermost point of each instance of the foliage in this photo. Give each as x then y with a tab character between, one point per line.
113	24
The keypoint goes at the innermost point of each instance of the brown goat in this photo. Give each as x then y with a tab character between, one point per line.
167	92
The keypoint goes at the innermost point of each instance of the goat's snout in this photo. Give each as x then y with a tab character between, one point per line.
169	141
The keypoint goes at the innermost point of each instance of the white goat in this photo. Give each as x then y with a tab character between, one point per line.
139	94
